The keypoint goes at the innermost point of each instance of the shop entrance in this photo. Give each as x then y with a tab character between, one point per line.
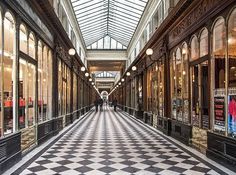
27	103
200	104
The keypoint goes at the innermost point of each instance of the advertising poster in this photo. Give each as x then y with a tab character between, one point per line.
232	115
219	111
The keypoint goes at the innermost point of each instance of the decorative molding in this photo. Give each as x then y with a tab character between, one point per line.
196	13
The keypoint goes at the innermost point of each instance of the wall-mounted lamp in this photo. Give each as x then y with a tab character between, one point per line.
134	68
90	79
82	69
122	80
128	74
119	83
72	52
149	53
86	74
92	83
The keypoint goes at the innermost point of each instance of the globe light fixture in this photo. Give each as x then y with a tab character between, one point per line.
92	83
149	52
128	73
122	79
119	83
90	79
72	52
83	69
134	68
86	74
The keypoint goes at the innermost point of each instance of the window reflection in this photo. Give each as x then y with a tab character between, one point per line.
8	73
194	49
219	38
204	43
23	39
232	49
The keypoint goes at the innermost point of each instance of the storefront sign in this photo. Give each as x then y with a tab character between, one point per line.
219	111
232	115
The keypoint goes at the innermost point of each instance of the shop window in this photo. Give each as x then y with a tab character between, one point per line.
173	85
219	45
160	89
179	84
31	46
8	75
149	89
232	74
44	83
204	43
23	39
59	87
194	49
75	83
185	79
1	122
219	71
68	103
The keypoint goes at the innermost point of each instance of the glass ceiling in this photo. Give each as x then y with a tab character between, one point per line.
116	18
105	74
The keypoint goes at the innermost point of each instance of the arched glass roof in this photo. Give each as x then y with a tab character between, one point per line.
117	19
105	74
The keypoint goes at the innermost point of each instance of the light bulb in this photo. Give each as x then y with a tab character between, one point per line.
83	69
72	52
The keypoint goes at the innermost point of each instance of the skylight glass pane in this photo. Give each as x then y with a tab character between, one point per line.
100	44
119	21
107	42
94	45
119	46
113	44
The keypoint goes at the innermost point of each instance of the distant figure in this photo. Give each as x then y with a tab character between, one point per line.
101	104
114	103
96	104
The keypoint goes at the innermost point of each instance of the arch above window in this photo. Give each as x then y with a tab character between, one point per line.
194	48
23	38
31	45
204	42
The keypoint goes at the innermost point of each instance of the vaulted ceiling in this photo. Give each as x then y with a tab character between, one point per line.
117	19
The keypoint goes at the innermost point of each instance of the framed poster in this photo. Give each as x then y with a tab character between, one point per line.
219	113
232	115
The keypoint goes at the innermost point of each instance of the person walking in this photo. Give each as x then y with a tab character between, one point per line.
114	104
96	104
101	103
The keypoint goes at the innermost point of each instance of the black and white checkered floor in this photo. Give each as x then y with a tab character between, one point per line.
109	142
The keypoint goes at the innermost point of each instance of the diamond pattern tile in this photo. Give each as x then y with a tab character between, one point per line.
109	142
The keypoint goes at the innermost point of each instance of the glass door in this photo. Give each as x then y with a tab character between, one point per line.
200	104
27	108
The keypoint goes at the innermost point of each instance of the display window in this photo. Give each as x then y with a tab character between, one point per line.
232	74
173	86
160	89
44	83
149	89
75	83
219	72
64	87
179	83
185	84
8	67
